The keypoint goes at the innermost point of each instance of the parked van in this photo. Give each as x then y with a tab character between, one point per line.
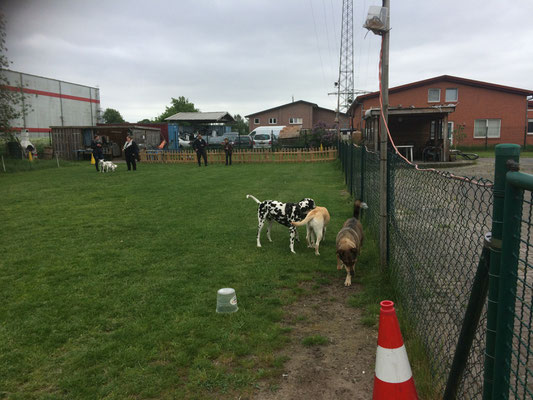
273	130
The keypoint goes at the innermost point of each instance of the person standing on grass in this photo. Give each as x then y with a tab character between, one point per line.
98	152
228	149
131	151
199	145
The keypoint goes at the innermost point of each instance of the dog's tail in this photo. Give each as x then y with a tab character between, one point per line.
249	196
357	206
304	221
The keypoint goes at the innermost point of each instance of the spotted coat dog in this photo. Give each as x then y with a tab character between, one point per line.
283	213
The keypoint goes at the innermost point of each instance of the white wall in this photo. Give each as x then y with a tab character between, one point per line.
52	102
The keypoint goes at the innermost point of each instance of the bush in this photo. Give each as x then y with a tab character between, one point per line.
324	135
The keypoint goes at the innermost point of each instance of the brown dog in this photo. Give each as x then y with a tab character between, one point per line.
316	220
349	242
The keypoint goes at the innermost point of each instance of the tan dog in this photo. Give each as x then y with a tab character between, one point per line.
316	220
349	242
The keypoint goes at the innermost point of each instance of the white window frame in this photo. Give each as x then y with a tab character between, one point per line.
450	131
295	121
257	121
456	99
273	121
489	132
530	121
429	97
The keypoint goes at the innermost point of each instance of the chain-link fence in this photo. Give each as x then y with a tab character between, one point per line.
514	349
437	222
440	249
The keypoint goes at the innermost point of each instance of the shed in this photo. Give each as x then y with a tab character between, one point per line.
74	142
414	128
209	124
201	117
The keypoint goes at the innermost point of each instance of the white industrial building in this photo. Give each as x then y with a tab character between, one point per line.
51	102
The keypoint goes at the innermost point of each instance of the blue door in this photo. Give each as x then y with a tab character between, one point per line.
173	137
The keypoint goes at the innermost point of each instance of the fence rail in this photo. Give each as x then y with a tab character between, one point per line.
241	156
437	229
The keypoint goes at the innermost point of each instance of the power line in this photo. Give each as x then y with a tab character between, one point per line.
317	41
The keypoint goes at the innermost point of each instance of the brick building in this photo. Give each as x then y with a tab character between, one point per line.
530	118
299	112
477	113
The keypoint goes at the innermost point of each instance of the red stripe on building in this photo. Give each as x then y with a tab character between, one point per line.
52	94
47	130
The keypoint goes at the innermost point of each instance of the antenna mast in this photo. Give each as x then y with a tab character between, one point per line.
345	88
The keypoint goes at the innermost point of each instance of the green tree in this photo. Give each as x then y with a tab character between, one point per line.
240	125
181	104
12	105
112	116
144	121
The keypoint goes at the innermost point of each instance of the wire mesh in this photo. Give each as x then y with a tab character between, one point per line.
521	365
436	228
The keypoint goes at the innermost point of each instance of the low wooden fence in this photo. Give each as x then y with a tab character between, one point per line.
240	156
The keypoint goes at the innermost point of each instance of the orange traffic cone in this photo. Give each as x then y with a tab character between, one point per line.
393	379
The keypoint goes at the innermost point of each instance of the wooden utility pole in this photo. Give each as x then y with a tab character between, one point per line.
383	223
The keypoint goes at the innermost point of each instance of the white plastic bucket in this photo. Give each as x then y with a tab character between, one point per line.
226	300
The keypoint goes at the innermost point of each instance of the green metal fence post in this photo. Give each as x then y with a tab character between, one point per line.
476	302
363	152
352	149
512	220
345	162
342	154
503	152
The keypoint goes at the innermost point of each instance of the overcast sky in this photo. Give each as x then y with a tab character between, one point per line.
244	56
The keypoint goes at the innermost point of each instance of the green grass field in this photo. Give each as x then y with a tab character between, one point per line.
108	281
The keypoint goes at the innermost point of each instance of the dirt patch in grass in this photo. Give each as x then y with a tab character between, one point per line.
341	363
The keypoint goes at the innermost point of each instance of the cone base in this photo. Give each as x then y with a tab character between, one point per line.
397	391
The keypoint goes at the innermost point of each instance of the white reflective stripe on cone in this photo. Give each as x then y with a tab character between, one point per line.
392	365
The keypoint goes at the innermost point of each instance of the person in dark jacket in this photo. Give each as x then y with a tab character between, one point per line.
131	151
228	149
199	145
98	152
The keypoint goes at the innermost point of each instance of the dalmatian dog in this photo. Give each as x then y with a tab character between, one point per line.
105	166
283	213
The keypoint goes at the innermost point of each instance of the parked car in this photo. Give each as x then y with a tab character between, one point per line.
263	141
184	143
242	142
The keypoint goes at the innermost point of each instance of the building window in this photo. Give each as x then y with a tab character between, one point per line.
452	95
296	121
433	95
272	121
530	126
435	130
489	128
256	121
450	130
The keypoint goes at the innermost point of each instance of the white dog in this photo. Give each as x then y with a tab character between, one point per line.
105	166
